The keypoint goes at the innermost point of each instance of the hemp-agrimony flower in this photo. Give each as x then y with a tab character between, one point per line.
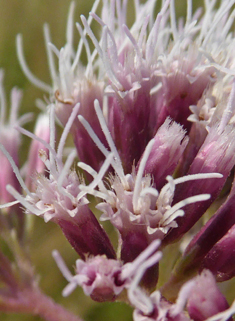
152	120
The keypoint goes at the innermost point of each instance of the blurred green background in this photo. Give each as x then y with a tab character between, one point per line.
27	17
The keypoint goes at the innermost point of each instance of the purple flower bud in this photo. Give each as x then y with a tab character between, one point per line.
85	234
139	212
129	66
155	307
98	276
59	198
220	260
211	233
72	84
205	299
217	154
183	84
169	145
104	279
84	92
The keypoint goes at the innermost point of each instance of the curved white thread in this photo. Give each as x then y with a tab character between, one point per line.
38	83
69	29
50	58
79	49
118	168
139	176
15	169
9	204
190	178
24	202
169	215
66	131
62	266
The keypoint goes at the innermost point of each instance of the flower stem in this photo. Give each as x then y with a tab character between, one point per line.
32	301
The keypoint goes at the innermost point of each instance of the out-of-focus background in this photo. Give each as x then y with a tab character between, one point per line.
27	17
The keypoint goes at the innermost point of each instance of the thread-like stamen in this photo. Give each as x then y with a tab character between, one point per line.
120	16
80	45
103	52
139	176
143	31
93	173
182	298
225	7
98	178
228	25
149	190
66	131
189	12
62	266
94	192
34	137
50	58
206	19
69	29
87	168
54	49
156	88
40	104
92	36
97	18
130	269
138	297
107	62
24	202
69	288
65	72
37	82
118	164
153	36
188	178
137	269
137	8
171	214
173	20
52	137
93	135
212	63
8	204
146	9
89	69
112	49
15	169
66	168
197	14
134	43
16	96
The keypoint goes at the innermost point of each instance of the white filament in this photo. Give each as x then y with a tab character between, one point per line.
139	176
38	83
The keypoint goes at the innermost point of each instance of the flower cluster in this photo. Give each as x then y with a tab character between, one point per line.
152	118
